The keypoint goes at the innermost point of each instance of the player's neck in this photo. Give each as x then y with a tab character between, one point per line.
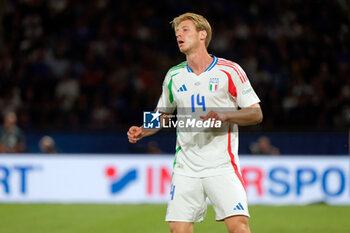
199	61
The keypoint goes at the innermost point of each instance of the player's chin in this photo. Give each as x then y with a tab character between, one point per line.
183	50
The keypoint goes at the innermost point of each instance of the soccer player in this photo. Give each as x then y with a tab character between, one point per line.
206	163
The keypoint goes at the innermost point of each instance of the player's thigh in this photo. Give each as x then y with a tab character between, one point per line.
237	223
181	227
187	200
227	195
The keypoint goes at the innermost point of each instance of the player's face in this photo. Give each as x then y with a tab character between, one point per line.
187	36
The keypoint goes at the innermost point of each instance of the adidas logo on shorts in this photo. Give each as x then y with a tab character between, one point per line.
239	207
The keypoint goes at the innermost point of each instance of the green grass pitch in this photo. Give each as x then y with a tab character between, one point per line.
81	218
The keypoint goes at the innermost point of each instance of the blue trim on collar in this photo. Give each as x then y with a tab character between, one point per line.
213	63
189	69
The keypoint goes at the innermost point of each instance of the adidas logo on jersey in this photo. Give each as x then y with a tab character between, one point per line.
182	88
239	207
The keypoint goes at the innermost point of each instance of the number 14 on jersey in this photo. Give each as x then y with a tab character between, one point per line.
200	102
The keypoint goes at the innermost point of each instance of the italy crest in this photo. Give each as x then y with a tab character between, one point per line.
213	84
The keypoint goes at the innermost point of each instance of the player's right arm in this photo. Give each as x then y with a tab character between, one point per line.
136	133
166	105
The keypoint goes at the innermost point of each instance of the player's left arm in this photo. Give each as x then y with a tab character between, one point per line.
250	115
250	112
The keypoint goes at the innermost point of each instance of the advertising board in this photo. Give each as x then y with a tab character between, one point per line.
282	180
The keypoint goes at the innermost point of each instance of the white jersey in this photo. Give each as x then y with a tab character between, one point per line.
224	84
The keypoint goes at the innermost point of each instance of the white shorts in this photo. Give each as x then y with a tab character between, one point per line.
187	199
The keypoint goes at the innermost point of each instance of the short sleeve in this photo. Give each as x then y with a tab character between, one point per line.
166	102
246	95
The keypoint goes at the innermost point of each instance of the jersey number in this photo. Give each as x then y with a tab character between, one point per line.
172	191
200	102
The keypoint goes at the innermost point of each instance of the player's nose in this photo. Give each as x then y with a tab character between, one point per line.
178	34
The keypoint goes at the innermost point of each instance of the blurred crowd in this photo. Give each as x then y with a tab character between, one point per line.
97	65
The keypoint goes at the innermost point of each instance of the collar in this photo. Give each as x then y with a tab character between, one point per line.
212	64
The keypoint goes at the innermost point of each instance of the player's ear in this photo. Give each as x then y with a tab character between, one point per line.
202	35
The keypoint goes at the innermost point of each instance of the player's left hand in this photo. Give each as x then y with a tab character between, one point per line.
217	116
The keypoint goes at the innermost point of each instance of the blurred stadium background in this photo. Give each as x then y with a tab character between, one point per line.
73	69
82	72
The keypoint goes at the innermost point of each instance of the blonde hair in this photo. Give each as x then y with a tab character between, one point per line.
199	21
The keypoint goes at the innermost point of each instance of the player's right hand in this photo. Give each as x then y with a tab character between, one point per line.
134	134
